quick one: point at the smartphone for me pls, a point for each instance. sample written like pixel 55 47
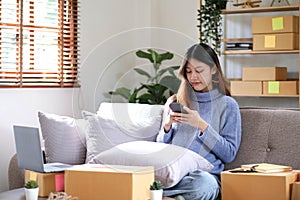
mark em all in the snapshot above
pixel 177 107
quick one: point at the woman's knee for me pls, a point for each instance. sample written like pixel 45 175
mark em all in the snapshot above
pixel 198 185
pixel 202 179
pixel 204 186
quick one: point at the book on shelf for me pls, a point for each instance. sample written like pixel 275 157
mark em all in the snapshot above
pixel 238 46
pixel 267 167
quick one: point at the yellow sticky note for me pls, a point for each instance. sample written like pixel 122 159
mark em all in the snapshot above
pixel 277 23
pixel 270 41
pixel 32 175
pixel 273 87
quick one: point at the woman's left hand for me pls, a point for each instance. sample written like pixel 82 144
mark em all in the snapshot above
pixel 192 118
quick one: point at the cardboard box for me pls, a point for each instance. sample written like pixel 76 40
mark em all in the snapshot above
pixel 48 182
pixel 258 186
pixel 280 87
pixel 246 88
pixel 296 191
pixel 275 42
pixel 298 172
pixel 275 24
pixel 264 74
pixel 94 181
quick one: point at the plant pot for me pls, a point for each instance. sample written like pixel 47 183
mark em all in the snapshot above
pixel 32 193
pixel 156 194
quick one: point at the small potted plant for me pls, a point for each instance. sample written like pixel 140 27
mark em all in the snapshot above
pixel 156 189
pixel 31 190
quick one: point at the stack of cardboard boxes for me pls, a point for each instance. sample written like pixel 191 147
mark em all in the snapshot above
pixel 271 33
pixel 275 33
pixel 264 81
pixel 47 182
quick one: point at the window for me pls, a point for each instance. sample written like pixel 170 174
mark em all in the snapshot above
pixel 39 43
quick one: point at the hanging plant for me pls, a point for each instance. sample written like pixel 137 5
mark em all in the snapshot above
pixel 210 22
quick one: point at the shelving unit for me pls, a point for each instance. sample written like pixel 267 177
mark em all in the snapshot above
pixel 251 52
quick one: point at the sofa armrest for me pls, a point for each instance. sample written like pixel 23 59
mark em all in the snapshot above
pixel 15 174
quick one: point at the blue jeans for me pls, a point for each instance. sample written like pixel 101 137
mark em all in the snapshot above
pixel 197 185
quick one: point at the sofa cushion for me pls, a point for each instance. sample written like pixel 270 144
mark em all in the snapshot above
pixel 117 123
pixel 269 135
pixel 169 161
pixel 64 138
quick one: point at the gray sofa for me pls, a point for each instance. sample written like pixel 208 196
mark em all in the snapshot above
pixel 268 135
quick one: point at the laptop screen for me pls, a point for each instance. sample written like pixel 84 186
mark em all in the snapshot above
pixel 28 147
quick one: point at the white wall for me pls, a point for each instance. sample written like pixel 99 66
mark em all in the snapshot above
pixel 110 31
pixel 110 42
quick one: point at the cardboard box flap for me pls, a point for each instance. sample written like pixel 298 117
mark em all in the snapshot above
pixel 111 168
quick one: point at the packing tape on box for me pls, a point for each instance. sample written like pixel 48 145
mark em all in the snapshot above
pixel 296 191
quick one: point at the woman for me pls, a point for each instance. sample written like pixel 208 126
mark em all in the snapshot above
pixel 211 127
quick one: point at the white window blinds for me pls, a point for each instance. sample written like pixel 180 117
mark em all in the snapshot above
pixel 39 43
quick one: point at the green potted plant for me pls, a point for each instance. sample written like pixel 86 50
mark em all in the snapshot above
pixel 161 84
pixel 156 189
pixel 31 190
pixel 210 22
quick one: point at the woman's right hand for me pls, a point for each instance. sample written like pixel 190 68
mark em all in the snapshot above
pixel 169 119
pixel 173 117
pixel 168 123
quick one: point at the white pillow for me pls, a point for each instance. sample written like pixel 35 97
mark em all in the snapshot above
pixel 117 123
pixel 171 162
pixel 132 117
pixel 64 138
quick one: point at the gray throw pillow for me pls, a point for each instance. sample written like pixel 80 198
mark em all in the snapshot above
pixel 171 162
pixel 64 138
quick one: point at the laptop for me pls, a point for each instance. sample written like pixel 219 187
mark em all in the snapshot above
pixel 29 151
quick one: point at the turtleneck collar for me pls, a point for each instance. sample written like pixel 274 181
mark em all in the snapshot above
pixel 207 96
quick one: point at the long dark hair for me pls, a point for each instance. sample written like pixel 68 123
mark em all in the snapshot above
pixel 203 53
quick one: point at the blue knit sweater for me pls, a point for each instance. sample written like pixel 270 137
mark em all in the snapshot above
pixel 220 142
